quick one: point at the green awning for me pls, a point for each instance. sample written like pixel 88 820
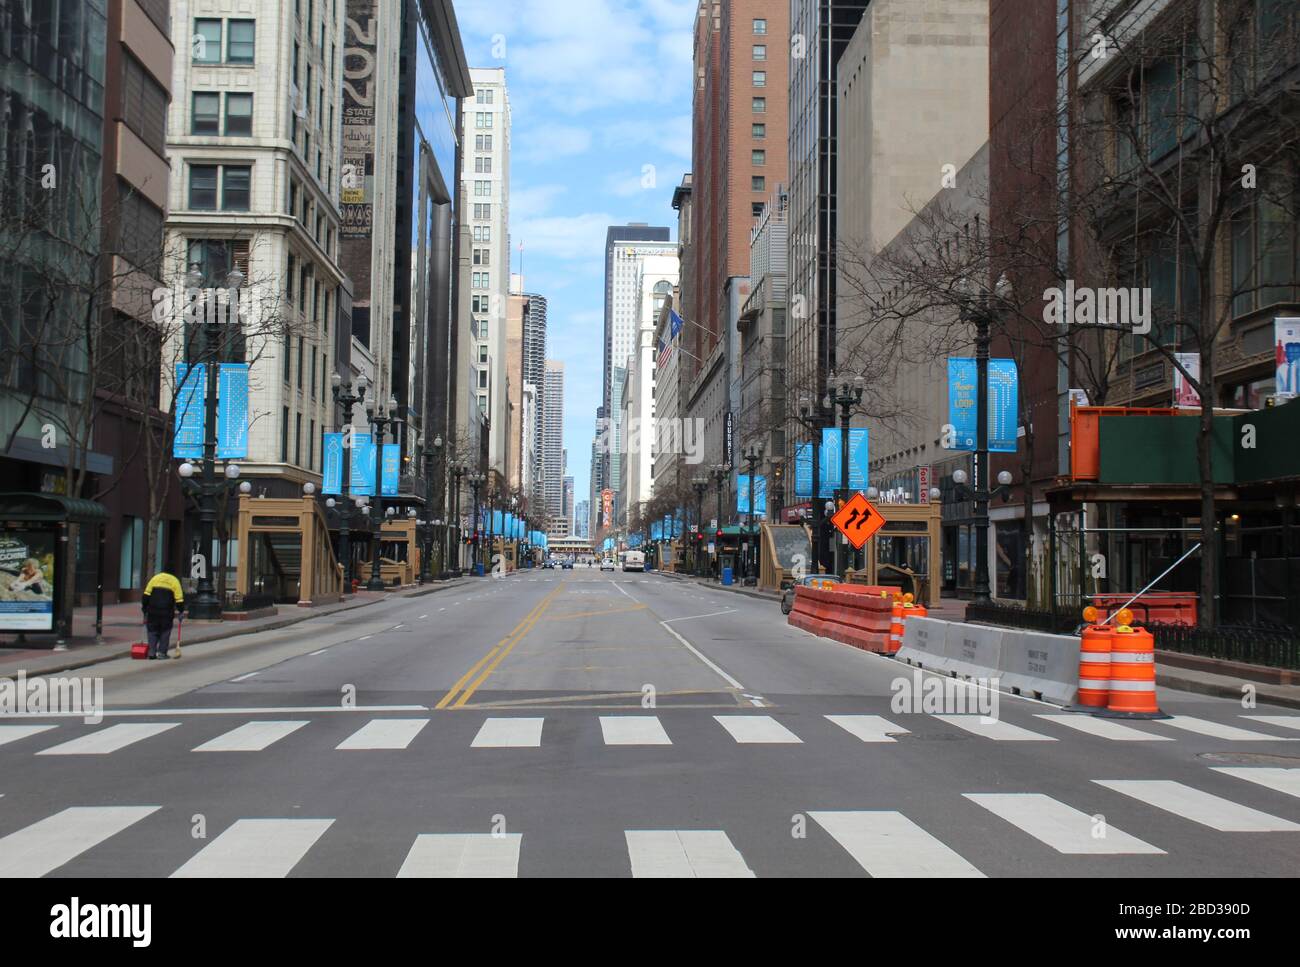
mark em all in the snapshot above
pixel 51 509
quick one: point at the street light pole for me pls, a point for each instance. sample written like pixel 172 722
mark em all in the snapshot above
pixel 846 396
pixel 719 475
pixel 700 485
pixel 753 457
pixel 346 401
pixel 475 482
pixel 458 470
pixel 380 421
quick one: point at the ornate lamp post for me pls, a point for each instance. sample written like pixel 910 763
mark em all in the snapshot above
pixel 476 481
pixel 720 474
pixel 380 421
pixel 427 526
pixel 700 485
pixel 753 456
pixel 816 415
pixel 846 395
pixel 346 400
pixel 458 470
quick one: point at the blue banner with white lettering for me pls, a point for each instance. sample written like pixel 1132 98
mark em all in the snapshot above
pixel 392 469
pixel 332 469
pixel 232 411
pixel 760 494
pixel 859 460
pixel 803 461
pixel 363 466
pixel 191 391
pixel 1003 391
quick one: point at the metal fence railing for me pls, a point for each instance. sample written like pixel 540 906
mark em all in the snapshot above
pixel 1273 645
pixel 1059 622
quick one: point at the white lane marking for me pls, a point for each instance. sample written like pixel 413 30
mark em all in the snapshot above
pixel 888 844
pixel 1216 730
pixel 422 617
pixel 274 710
pixel 624 590
pixel 868 728
pixel 509 733
pixel 110 739
pixel 250 737
pixel 684 853
pixel 757 730
pixel 692 617
pixel 633 730
pixel 1062 827
pixel 1104 728
pixel 256 848
pixel 12 733
pixel 698 654
pixel 463 855
pixel 1200 807
pixel 244 678
pixel 1280 779
pixel 315 653
pixel 756 703
pixel 395 627
pixel 994 729
pixel 365 637
pixel 46 845
pixel 442 609
pixel 384 734
pixel 1285 721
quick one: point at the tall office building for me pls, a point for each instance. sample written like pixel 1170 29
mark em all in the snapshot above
pixel 553 448
pixel 534 375
pixel 567 498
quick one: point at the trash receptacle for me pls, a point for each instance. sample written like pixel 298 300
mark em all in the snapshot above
pixel 478 568
pixel 727 576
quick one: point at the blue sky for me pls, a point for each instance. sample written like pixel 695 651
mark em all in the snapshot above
pixel 599 89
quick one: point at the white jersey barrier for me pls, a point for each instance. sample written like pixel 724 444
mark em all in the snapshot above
pixel 1026 662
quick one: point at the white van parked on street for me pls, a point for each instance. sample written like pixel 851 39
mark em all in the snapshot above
pixel 633 561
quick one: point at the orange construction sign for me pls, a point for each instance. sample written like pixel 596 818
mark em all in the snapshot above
pixel 858 520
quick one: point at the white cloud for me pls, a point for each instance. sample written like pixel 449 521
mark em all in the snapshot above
pixel 533 201
pixel 570 237
pixel 672 134
pixel 549 142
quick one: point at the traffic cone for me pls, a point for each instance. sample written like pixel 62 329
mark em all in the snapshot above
pixel 1132 693
pixel 896 625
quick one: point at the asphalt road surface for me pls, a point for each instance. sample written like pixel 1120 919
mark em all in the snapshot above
pixel 574 723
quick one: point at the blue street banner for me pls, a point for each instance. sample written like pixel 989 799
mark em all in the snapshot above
pixel 363 466
pixel 1003 390
pixel 191 391
pixel 232 411
pixel 760 494
pixel 859 460
pixel 332 471
pixel 392 469
pixel 803 470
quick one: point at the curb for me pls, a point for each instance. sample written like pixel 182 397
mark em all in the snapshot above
pixel 760 595
pixel 1219 690
pixel 236 631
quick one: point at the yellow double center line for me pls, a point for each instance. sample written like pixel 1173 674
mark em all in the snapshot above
pixel 494 657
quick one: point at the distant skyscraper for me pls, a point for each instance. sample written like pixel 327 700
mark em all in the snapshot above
pixel 534 369
pixel 553 447
pixel 582 519
pixel 568 501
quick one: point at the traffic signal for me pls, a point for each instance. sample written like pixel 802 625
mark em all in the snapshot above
pixel 719 534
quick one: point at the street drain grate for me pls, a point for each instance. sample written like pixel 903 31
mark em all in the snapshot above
pixel 1251 758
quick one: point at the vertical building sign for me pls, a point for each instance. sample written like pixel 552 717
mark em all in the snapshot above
pixel 191 392
pixel 232 411
pixel 1003 404
pixel 392 464
pixel 358 171
pixel 332 473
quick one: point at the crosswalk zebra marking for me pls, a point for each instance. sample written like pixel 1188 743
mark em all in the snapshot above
pixel 868 728
pixel 109 740
pixel 1280 779
pixel 463 855
pixel 12 733
pixel 1198 806
pixel 1217 730
pixel 1062 827
pixel 757 730
pixel 250 737
pixel 384 734
pixel 509 733
pixel 1104 728
pixel 684 854
pixel 48 844
pixel 886 843
pixel 256 849
pixel 994 729
pixel 633 730
pixel 1284 721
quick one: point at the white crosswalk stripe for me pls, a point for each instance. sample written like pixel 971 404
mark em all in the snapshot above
pixel 888 844
pixel 12 733
pixel 1217 730
pixel 111 739
pixel 633 730
pixel 1198 806
pixel 757 730
pixel 684 853
pixel 384 734
pixel 256 849
pixel 1283 721
pixel 250 737
pixel 1282 779
pixel 994 728
pixel 868 728
pixel 463 855
pixel 509 733
pixel 1062 827
pixel 1104 728
pixel 46 845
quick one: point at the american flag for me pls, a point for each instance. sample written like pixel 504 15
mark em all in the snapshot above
pixel 665 350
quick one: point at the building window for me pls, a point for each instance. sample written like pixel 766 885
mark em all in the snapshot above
pixel 759 157
pixel 484 96
pixel 758 183
pixel 760 52
pixel 203 187
pixel 760 78
pixel 236 187
pixel 284 435
pixel 205 116
pixel 207 41
pixel 760 130
pixel 239 115
pixel 760 105
pixel 482 404
pixel 482 354
pixel 760 26
pixel 144 105
pixel 482 376
pixel 241 41
pixel 756 209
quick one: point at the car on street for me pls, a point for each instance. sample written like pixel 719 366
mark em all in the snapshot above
pixel 607 564
pixel 567 565
pixel 808 580
pixel 634 561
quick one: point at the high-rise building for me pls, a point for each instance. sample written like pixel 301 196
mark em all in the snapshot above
pixel 567 509
pixel 514 373
pixel 553 448
pixel 599 470
pixel 742 53
pixel 582 519
pixel 534 375
pixel 485 181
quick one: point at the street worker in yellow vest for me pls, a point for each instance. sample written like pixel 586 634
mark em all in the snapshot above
pixel 163 600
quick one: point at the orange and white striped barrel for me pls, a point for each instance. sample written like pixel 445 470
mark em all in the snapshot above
pixel 896 627
pixel 1133 672
pixel 1094 666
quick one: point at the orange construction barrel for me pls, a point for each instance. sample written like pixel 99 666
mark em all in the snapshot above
pixel 896 627
pixel 1094 666
pixel 1133 674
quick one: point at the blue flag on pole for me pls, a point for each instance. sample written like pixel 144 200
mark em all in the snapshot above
pixel 232 411
pixel 191 392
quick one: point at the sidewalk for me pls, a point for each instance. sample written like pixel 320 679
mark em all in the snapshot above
pixel 123 627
